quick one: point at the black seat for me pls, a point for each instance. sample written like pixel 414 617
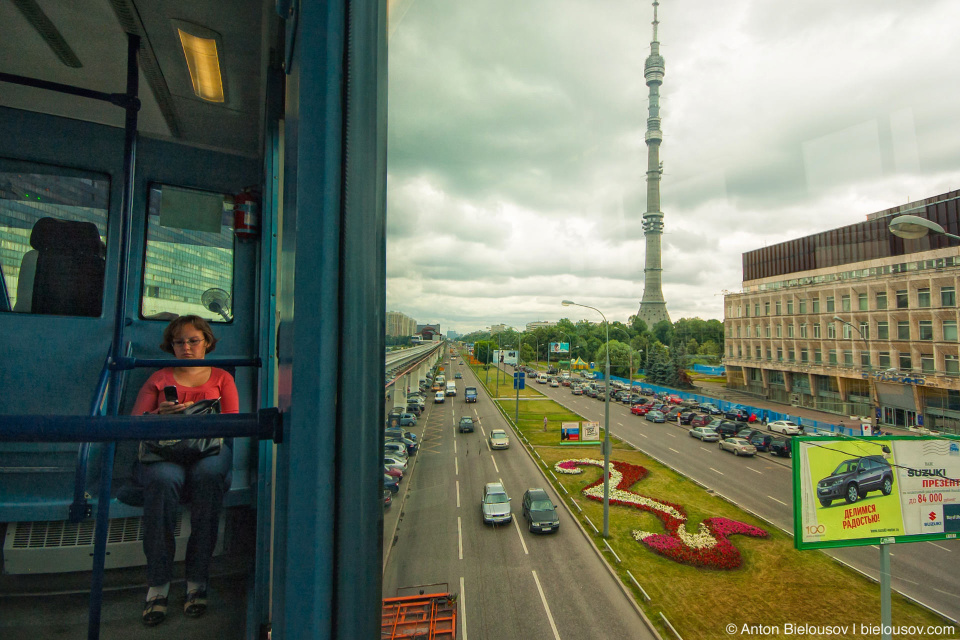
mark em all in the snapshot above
pixel 70 268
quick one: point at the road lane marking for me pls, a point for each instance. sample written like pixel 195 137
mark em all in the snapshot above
pixel 524 544
pixel 780 501
pixel 672 449
pixel 456 467
pixel 939 547
pixel 458 494
pixel 644 435
pixel 546 608
pixel 941 590
pixel 463 611
pixel 482 431
pixel 454 445
pixel 494 461
pixel 720 472
pixel 671 435
pixel 705 449
pixel 488 446
pixel 619 424
pixel 460 537
pixel 754 470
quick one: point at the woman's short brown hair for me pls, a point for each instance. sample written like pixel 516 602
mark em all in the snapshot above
pixel 176 326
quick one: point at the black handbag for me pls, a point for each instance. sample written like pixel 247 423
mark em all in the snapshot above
pixel 186 450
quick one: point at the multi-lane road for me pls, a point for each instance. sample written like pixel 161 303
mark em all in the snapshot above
pixel 924 571
pixel 511 583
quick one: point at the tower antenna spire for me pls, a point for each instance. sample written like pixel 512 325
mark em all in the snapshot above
pixel 653 308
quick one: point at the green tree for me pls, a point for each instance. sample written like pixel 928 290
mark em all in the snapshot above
pixel 619 357
pixel 663 331
pixel 483 350
pixel 526 353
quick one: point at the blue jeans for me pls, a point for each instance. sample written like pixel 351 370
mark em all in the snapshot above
pixel 165 486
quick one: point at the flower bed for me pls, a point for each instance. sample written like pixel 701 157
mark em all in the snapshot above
pixel 709 547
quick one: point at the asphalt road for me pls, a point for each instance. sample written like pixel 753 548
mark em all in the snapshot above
pixel 511 583
pixel 924 571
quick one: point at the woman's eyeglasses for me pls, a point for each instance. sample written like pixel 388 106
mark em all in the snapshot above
pixel 192 342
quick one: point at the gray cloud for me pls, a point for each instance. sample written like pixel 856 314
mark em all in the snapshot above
pixel 517 166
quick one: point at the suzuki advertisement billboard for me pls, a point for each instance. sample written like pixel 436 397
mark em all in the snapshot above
pixel 865 491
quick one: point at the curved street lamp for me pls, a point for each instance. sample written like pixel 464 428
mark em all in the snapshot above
pixel 606 420
pixel 915 227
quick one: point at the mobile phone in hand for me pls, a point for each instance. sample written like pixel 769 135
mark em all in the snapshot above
pixel 170 394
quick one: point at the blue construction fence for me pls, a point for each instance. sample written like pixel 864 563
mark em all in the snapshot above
pixel 708 370
pixel 808 424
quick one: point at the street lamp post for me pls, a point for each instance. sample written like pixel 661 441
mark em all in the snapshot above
pixel 606 420
pixel 868 368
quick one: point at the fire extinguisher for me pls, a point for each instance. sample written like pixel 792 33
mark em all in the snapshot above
pixel 246 215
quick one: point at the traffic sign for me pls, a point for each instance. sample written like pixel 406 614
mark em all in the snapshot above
pixel 518 380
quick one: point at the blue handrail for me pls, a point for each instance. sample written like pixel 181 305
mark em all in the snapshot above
pixel 80 509
pixel 124 363
pixel 265 424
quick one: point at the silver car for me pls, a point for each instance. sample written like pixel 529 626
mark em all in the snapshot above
pixel 706 434
pixel 495 505
pixel 499 439
pixel 738 446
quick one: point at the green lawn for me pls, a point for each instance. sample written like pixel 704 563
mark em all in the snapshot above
pixel 775 585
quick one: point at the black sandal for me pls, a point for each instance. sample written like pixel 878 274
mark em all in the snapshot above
pixel 155 611
pixel 195 604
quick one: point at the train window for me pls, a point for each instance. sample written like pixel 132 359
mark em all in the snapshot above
pixel 188 263
pixel 53 224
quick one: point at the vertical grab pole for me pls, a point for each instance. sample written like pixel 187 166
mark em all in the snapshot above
pixel 886 617
pixel 132 106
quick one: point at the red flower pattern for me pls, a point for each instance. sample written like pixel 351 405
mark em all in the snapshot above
pixel 710 548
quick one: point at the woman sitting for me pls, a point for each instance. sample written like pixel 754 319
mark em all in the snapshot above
pixel 165 483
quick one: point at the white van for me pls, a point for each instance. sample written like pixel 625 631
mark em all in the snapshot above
pixel 451 388
pixel 542 378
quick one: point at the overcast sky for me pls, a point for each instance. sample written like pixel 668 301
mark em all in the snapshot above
pixel 516 172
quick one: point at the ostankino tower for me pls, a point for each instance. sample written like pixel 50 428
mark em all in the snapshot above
pixel 653 308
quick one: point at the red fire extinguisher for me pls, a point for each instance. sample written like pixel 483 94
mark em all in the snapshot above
pixel 246 215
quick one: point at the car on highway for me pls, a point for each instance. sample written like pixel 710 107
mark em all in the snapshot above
pixel 575 390
pixel 706 434
pixel 391 484
pixel 854 478
pixel 746 433
pixel 784 426
pixel 740 415
pixel 438 398
pixel 761 441
pixel 495 504
pixel 590 392
pixel 655 416
pixel 687 416
pixel 396 449
pixel 408 420
pixel 701 420
pixel 711 408
pixel 540 512
pixel 640 409
pixel 458 375
pixel 738 446
pixel 781 447
pixel 395 462
pixel 725 428
pixel 554 382
pixel 466 425
pixel 499 439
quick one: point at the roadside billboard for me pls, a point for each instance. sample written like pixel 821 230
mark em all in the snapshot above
pixel 864 491
pixel 559 347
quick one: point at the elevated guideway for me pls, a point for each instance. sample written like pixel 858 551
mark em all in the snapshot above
pixel 404 368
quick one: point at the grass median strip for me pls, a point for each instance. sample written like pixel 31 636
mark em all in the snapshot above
pixel 776 585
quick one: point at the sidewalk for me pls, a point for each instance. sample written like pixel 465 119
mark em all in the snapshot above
pixel 718 390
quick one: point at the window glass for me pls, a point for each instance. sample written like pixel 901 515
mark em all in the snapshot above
pixel 951 364
pixel 816 305
pixel 948 297
pixel 884 359
pixel 864 358
pixel 905 362
pixel 817 356
pixel 845 303
pixel 789 307
pixel 779 307
pixel 830 306
pixel 833 356
pixel 188 267
pixel 53 229
pixel 903 300
pixel 803 306
pixel 779 354
pixel 950 330
pixel 847 331
pixel 804 355
pixel 926 330
pixel 903 330
pixel 803 330
pixel 862 301
pixel 926 363
pixel 766 308
pixel 779 331
pixel 848 358
pixel 923 297
pixel 831 330
pixel 881 300
pixel 883 331
pixel 865 330
pixel 758 353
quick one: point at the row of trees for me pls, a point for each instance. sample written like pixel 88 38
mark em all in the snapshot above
pixel 662 351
